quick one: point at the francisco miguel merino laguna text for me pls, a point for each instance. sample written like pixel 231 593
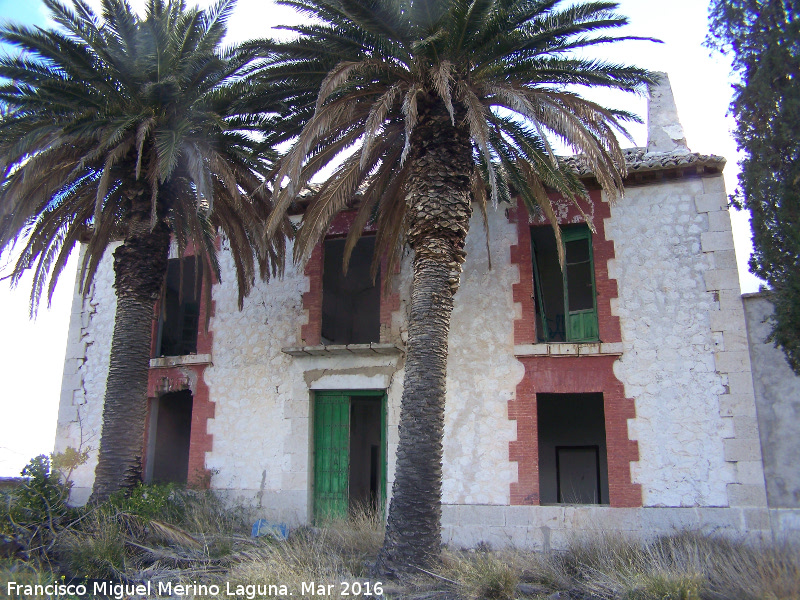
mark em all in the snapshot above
pixel 119 591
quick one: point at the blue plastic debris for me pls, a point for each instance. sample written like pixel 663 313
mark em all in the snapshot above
pixel 262 527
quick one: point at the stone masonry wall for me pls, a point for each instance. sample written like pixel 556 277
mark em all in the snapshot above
pixel 482 373
pixel 685 359
pixel 83 386
pixel 777 392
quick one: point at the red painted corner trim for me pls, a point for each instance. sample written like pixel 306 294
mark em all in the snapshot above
pixel 569 375
pixel 161 380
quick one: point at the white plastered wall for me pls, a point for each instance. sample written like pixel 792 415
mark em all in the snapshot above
pixel 262 396
pixel 685 355
pixel 482 371
pixel 83 385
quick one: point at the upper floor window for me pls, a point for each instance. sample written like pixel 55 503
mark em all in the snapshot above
pixel 350 303
pixel 180 309
pixel 566 301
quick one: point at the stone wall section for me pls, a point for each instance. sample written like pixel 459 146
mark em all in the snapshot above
pixel 777 393
pixel 83 386
pixel 260 425
pixel 685 360
pixel 555 527
pixel 482 372
pixel 732 359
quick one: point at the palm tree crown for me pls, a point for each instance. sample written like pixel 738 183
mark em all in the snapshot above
pixel 134 129
pixel 368 73
pixel 441 102
pixel 111 116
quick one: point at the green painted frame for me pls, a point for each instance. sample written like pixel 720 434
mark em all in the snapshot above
pixel 330 431
pixel 580 325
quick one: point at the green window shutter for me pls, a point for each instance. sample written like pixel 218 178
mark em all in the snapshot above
pixel 331 456
pixel 580 297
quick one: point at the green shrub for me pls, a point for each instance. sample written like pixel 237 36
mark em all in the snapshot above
pixel 32 514
pixel 165 502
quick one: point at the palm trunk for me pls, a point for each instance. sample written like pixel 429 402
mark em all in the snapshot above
pixel 438 212
pixel 139 268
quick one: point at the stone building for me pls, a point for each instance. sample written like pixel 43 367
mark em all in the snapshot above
pixel 617 395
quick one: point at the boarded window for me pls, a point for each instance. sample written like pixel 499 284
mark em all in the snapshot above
pixel 180 309
pixel 573 468
pixel 566 307
pixel 350 303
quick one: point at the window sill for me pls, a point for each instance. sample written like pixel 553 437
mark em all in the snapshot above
pixel 177 361
pixel 342 350
pixel 577 504
pixel 585 349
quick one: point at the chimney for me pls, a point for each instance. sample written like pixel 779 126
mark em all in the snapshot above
pixel 664 129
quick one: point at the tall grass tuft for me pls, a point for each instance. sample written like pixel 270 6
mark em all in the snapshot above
pixel 684 566
pixel 97 550
pixel 482 574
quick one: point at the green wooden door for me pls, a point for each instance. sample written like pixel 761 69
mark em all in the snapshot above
pixel 580 299
pixel 331 455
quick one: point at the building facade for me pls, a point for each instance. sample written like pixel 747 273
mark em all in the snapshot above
pixel 614 395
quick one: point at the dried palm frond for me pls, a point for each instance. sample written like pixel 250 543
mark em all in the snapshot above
pixel 363 71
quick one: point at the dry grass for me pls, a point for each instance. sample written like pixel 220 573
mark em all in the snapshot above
pixel 341 551
pixel 485 574
pixel 202 541
pixel 684 566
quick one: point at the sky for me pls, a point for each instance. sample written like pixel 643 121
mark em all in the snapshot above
pixel 32 352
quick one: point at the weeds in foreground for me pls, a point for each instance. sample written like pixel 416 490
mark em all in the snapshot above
pixel 485 574
pixel 168 534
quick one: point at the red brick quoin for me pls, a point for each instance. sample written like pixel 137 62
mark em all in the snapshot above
pixel 162 380
pixel 311 332
pixel 570 374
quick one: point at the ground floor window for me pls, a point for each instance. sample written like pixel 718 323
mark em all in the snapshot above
pixel 349 450
pixel 573 467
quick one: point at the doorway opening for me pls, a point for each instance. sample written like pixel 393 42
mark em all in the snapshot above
pixel 169 436
pixel 573 467
pixel 349 453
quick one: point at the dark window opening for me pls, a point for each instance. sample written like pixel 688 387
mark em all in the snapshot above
pixel 350 303
pixel 573 466
pixel 566 307
pixel 169 435
pixel 180 309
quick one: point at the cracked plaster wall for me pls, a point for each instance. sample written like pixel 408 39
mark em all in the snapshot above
pixel 86 363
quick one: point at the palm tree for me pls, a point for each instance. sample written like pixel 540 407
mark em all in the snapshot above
pixel 444 102
pixel 136 130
